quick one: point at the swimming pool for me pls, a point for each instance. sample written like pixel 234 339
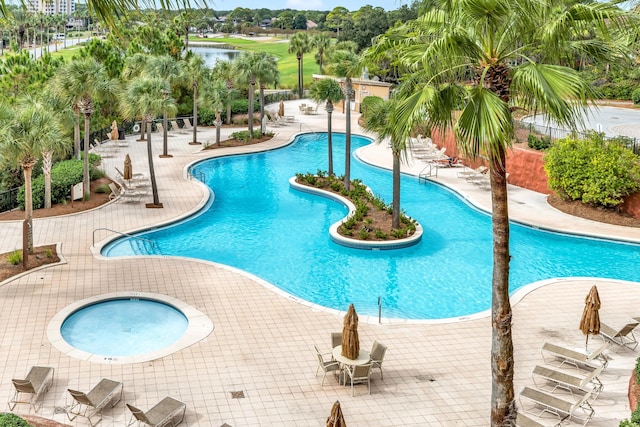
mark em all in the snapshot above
pixel 259 224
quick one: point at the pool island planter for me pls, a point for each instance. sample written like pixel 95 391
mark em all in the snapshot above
pixel 336 237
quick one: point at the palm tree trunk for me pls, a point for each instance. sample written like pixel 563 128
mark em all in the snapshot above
pixel 143 128
pixel 503 411
pixel 347 145
pixel 195 115
pixel 86 180
pixel 299 77
pixel 28 208
pixel 218 125
pixel 261 100
pixel 250 117
pixel 165 137
pixel 76 132
pixel 229 113
pixel 47 161
pixel 395 211
pixel 329 138
pixel 152 171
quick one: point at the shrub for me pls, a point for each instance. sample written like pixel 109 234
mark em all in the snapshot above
pixel 48 253
pixel 592 170
pixel 243 135
pixel 635 96
pixel 15 257
pixel 536 143
pixel 635 415
pixel 11 420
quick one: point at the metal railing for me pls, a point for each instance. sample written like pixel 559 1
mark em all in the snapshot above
pixel 197 174
pixel 93 243
pixel 9 199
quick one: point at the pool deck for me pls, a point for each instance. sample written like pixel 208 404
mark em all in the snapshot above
pixel 435 373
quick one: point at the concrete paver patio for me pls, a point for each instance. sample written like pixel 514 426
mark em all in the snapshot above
pixel 436 373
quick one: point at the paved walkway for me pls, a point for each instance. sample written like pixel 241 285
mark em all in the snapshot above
pixel 436 374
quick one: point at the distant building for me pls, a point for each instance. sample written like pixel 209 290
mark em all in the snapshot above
pixel 311 25
pixel 52 7
pixel 361 88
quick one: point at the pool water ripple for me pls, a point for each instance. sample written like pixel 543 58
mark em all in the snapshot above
pixel 259 224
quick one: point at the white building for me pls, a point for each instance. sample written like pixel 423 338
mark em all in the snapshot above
pixel 52 7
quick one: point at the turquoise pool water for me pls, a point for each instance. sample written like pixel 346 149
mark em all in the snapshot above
pixel 259 224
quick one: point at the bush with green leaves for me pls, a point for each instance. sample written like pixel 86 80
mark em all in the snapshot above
pixel 635 415
pixel 243 135
pixel 541 143
pixel 635 96
pixel 64 175
pixel 11 420
pixel 592 170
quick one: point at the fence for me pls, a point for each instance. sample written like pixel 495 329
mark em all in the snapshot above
pixel 9 199
pixel 556 133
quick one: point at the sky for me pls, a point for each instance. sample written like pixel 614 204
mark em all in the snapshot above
pixel 351 5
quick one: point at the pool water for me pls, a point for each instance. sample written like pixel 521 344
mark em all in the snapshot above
pixel 259 224
pixel 124 327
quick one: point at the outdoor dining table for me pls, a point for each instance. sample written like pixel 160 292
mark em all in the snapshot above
pixel 363 358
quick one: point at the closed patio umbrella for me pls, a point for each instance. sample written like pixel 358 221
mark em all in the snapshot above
pixel 350 340
pixel 590 321
pixel 336 419
pixel 281 109
pixel 127 172
pixel 114 131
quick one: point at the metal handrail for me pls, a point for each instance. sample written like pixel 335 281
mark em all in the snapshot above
pixel 153 244
pixel 199 175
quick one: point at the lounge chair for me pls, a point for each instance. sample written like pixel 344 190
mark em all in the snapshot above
pixel 523 420
pixel 553 404
pixel 175 126
pixel 358 374
pixel 480 170
pixel 377 356
pixel 575 357
pixel 187 124
pixel 36 383
pixel 589 382
pixel 133 194
pixel 136 177
pixel 622 337
pixel 91 404
pixel 168 412
pixel 330 366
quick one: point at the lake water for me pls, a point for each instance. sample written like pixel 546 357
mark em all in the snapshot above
pixel 212 55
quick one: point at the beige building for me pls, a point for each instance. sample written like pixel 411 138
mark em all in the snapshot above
pixel 52 7
pixel 362 88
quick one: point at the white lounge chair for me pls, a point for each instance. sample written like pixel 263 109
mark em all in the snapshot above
pixel 587 360
pixel 91 404
pixel 578 407
pixel 36 383
pixel 167 412
pixel 588 382
pixel 524 420
pixel 622 337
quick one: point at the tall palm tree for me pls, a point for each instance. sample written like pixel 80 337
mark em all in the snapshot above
pixel 300 44
pixel 195 71
pixel 214 96
pixel 321 42
pixel 245 71
pixel 344 63
pixel 81 82
pixel 142 97
pixel 480 61
pixel 134 66
pixel 267 73
pixel 171 71
pixel 224 70
pixel 329 91
pixel 32 128
pixel 380 120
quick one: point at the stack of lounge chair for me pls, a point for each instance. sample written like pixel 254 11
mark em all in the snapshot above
pixel 564 388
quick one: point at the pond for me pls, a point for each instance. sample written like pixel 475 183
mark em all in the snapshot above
pixel 212 55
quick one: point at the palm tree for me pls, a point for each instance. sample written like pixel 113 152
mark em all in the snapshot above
pixel 224 70
pixel 344 63
pixel 167 68
pixel 32 128
pixel 327 90
pixel 266 70
pixel 380 120
pixel 81 82
pixel 195 71
pixel 142 97
pixel 321 42
pixel 134 66
pixel 214 96
pixel 480 64
pixel 300 44
pixel 245 71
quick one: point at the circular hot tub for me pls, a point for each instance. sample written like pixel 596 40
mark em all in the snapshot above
pixel 127 327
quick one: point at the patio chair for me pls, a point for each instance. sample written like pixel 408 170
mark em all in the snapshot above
pixel 336 339
pixel 622 337
pixel 358 374
pixel 330 366
pixel 91 404
pixel 36 383
pixel 523 420
pixel 575 357
pixel 377 356
pixel 589 382
pixel 115 191
pixel 168 412
pixel 554 404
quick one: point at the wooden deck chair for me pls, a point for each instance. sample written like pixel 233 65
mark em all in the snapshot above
pixel 168 412
pixel 622 337
pixel 36 383
pixel 578 408
pixel 562 355
pixel 589 382
pixel 92 404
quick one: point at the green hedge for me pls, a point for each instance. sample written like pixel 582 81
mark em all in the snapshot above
pixel 592 170
pixel 64 175
pixel 11 420
pixel 635 96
